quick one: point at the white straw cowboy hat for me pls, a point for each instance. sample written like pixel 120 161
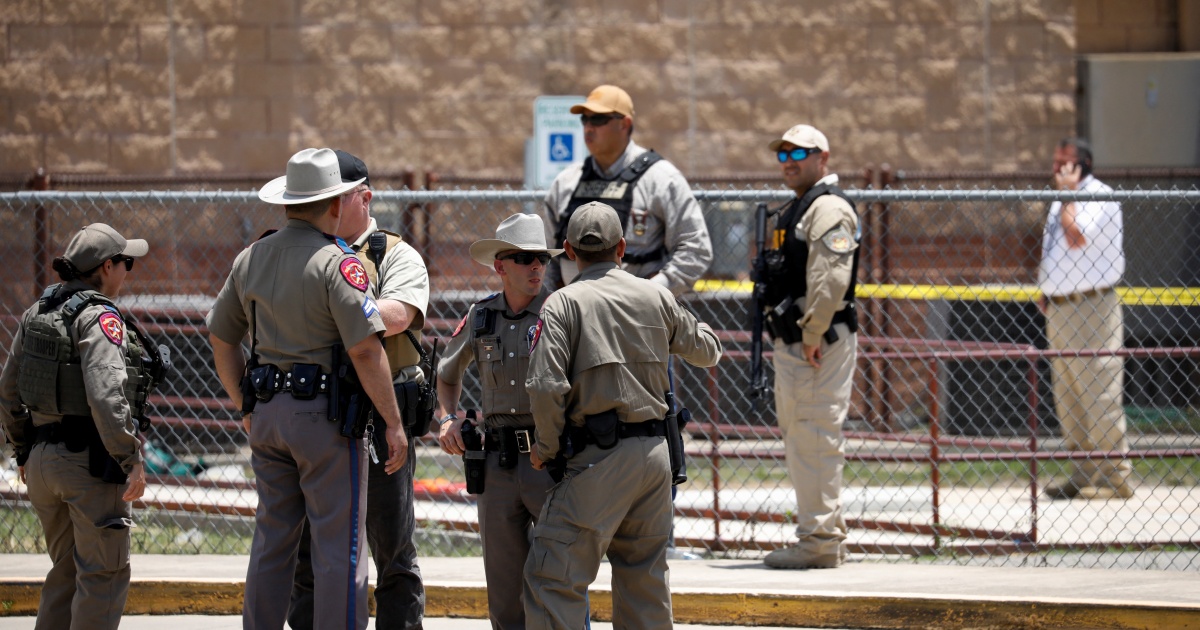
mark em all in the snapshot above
pixel 312 175
pixel 525 232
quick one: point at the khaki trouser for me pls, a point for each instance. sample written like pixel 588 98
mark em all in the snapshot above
pixel 811 406
pixel 87 534
pixel 1088 390
pixel 303 467
pixel 614 503
pixel 511 502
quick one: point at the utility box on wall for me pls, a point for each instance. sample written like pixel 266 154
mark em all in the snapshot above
pixel 1141 109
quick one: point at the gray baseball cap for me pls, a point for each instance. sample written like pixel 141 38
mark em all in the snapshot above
pixel 98 242
pixel 594 227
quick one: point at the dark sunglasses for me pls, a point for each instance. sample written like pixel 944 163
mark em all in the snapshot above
pixel 797 154
pixel 598 120
pixel 527 258
pixel 118 259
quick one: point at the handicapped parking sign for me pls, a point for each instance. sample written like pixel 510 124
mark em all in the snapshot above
pixel 557 140
pixel 562 147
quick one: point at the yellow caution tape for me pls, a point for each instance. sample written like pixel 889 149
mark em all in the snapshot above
pixel 1133 296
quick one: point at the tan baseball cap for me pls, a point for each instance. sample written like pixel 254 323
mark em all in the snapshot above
pixel 594 227
pixel 805 136
pixel 606 99
pixel 98 242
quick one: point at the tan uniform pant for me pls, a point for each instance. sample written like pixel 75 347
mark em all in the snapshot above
pixel 511 502
pixel 1088 390
pixel 302 466
pixel 87 534
pixel 614 503
pixel 811 406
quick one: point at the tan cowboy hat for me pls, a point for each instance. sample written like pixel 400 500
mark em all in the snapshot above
pixel 525 232
pixel 312 175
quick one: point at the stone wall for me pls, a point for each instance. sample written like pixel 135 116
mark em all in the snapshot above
pixel 188 86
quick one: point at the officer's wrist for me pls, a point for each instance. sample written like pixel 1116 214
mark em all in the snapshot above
pixel 447 418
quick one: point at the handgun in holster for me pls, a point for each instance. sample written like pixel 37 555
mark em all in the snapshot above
pixel 474 456
pixel 26 418
pixel 674 424
pixel 570 443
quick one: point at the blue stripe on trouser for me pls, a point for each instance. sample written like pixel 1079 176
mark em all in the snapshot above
pixel 351 582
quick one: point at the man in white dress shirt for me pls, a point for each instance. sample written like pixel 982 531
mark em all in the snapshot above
pixel 1082 261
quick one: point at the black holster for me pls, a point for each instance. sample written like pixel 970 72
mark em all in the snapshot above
pixel 475 457
pixel 408 398
pixel 572 441
pixel 78 433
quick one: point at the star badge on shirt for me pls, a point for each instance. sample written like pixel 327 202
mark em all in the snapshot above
pixel 354 273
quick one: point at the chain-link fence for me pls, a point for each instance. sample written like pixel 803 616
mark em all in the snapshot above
pixel 952 433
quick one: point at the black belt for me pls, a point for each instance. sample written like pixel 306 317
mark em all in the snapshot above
pixel 641 259
pixel 1077 297
pixel 648 428
pixel 494 437
pixel 283 381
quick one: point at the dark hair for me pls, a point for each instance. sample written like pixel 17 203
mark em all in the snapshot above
pixel 604 255
pixel 67 271
pixel 311 210
pixel 1083 153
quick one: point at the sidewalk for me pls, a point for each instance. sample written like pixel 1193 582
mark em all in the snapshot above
pixel 740 592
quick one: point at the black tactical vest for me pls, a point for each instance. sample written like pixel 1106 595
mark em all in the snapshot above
pixel 617 192
pixel 787 273
pixel 50 377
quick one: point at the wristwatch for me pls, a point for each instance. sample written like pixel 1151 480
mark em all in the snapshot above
pixel 447 418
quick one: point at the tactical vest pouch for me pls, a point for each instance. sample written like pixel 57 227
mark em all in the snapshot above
pixel 782 322
pixel 305 377
pixel 603 427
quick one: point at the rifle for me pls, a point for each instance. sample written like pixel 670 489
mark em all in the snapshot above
pixel 758 307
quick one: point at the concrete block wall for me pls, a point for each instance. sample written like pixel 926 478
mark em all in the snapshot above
pixel 191 86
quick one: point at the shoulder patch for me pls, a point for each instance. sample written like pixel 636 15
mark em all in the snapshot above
pixel 462 323
pixel 112 327
pixel 535 334
pixel 838 240
pixel 492 296
pixel 354 273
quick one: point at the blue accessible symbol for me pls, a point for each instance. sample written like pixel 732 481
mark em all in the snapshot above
pixel 562 147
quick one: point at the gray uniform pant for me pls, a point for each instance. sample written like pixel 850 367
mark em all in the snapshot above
pixel 304 468
pixel 811 406
pixel 399 593
pixel 1088 390
pixel 614 503
pixel 509 506
pixel 87 534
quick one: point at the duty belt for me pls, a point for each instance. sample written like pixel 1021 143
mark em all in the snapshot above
pixel 494 437
pixel 283 381
pixel 1078 297
pixel 648 428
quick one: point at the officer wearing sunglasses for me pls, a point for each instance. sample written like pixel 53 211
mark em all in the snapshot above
pixel 496 335
pixel 667 239
pixel 810 304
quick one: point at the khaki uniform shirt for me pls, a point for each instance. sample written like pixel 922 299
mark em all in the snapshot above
pixel 403 278
pixel 501 356
pixel 308 295
pixel 603 344
pixel 830 222
pixel 102 347
pixel 664 211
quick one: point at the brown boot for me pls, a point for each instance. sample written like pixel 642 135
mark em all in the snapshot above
pixel 797 558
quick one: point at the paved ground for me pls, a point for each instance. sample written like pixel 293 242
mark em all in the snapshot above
pixel 731 592
pixel 231 622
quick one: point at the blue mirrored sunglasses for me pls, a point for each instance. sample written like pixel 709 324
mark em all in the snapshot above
pixel 797 154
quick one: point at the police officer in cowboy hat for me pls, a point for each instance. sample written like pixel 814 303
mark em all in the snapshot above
pixel 73 419
pixel 299 293
pixel 400 287
pixel 495 334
